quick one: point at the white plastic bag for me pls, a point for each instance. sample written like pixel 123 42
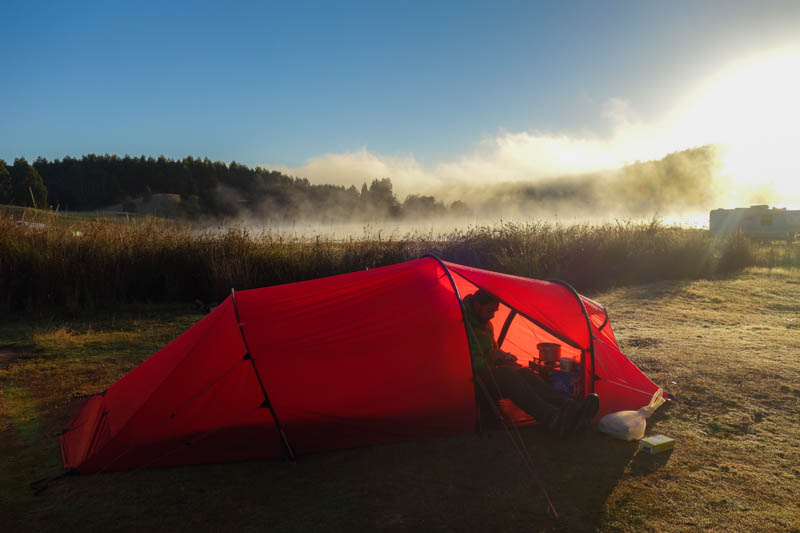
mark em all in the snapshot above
pixel 630 425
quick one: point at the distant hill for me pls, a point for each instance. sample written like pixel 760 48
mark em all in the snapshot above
pixel 684 180
pixel 201 188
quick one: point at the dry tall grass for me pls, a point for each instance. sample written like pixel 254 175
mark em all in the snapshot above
pixel 48 259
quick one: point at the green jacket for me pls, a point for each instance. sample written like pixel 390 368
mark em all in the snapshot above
pixel 481 337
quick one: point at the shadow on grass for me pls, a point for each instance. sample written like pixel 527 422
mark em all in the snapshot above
pixel 581 473
pixel 468 483
pixel 643 463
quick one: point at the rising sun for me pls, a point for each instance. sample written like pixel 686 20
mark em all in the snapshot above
pixel 752 110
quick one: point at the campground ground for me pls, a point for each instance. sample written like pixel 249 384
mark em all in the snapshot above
pixel 728 349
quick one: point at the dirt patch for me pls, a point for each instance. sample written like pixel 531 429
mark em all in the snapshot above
pixel 792 308
pixel 642 342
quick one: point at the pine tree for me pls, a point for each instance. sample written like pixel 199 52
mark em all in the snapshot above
pixel 5 184
pixel 27 187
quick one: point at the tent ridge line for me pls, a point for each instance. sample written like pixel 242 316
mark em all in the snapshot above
pixel 267 402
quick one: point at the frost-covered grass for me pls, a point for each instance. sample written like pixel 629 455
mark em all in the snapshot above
pixel 726 348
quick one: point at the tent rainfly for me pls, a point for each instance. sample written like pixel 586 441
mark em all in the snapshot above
pixel 351 360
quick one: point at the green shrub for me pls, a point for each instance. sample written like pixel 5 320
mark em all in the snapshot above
pixel 737 253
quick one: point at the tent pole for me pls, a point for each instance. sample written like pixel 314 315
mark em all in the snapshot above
pixel 605 322
pixel 506 325
pixel 284 441
pixel 577 296
pixel 466 329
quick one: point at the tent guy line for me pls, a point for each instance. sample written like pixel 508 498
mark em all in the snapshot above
pixel 516 438
pixel 513 431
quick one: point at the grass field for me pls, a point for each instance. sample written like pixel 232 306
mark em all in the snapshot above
pixel 54 260
pixel 727 348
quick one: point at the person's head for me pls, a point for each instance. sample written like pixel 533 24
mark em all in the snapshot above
pixel 485 305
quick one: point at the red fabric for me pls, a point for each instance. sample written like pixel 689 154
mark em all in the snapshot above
pixel 621 385
pixel 550 304
pixel 523 337
pixel 169 408
pixel 599 319
pixel 363 358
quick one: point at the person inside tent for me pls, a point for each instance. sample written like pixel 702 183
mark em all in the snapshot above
pixel 499 370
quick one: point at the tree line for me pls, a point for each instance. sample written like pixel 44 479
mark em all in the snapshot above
pixel 22 185
pixel 685 180
pixel 206 188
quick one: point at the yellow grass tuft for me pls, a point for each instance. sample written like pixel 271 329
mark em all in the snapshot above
pixel 20 409
pixel 64 340
pixel 59 338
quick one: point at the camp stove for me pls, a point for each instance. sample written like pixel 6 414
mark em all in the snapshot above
pixel 568 382
pixel 548 360
pixel 543 368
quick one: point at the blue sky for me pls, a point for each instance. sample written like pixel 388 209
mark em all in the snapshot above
pixel 423 86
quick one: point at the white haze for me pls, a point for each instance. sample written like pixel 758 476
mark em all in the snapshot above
pixel 749 110
pixel 500 158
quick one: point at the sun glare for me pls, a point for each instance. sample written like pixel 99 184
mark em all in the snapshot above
pixel 753 111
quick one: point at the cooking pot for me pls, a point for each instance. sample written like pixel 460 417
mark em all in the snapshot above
pixel 549 352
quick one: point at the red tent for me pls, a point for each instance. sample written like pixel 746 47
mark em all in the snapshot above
pixel 351 360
